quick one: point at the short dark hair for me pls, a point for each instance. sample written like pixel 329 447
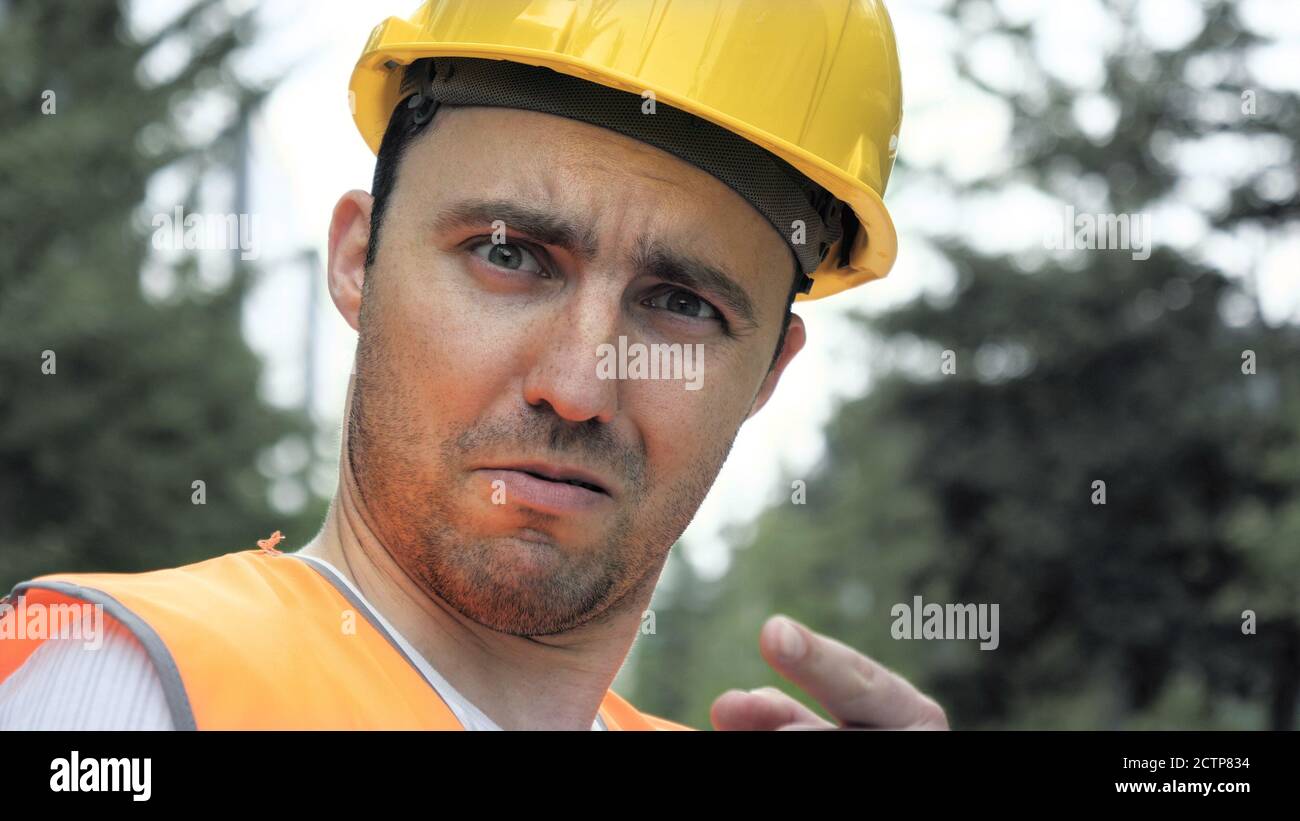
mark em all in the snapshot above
pixel 402 131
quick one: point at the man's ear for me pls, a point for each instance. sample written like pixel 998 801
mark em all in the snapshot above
pixel 795 337
pixel 349 237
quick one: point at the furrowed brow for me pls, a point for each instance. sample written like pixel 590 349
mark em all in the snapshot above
pixel 539 224
pixel 653 259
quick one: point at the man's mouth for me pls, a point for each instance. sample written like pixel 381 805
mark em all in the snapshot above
pixel 549 487
pixel 577 482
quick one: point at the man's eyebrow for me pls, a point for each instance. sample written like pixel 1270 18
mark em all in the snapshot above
pixel 654 259
pixel 650 258
pixel 538 223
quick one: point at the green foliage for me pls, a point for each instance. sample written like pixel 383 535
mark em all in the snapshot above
pixel 97 459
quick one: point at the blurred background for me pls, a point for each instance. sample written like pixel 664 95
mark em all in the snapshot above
pixel 160 404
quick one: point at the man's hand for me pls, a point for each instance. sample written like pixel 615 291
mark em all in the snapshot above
pixel 856 691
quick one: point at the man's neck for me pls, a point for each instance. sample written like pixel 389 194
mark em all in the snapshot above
pixel 552 682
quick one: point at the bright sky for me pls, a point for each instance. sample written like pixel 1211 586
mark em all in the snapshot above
pixel 306 152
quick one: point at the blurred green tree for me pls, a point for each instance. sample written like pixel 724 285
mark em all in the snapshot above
pixel 1071 369
pixel 149 394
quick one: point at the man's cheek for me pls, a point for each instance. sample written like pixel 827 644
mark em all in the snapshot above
pixel 686 430
pixel 441 344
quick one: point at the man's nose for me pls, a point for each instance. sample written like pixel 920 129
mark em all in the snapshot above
pixel 563 372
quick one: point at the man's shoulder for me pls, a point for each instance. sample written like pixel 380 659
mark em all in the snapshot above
pixel 238 561
pixel 625 716
pixel 664 724
pixel 101 682
pixel 226 585
pixel 223 608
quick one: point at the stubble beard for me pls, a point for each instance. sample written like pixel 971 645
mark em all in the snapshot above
pixel 526 585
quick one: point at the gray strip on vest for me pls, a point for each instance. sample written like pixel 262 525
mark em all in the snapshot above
pixel 364 610
pixel 325 571
pixel 177 699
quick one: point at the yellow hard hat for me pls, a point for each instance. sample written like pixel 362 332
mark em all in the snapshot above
pixel 814 82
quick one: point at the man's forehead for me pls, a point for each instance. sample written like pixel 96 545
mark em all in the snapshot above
pixel 554 179
pixel 543 155
pixel 490 130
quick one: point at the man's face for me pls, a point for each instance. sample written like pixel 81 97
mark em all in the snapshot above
pixel 477 365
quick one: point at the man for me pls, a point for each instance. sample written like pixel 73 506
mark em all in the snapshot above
pixel 505 504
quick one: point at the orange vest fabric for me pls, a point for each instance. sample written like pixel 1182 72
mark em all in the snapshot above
pixel 257 641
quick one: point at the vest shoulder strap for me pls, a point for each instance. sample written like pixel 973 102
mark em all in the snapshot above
pixel 251 640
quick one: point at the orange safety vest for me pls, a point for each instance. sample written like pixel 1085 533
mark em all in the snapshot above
pixel 252 640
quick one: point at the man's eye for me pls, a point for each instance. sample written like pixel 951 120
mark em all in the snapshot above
pixel 509 255
pixel 684 303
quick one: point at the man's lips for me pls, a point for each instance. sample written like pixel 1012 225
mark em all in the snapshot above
pixel 565 474
pixel 544 494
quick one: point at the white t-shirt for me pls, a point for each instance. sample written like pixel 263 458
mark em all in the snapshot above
pixel 63 686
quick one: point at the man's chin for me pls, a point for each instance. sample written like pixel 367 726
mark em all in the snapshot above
pixel 525 583
pixel 529 554
pixel 522 526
